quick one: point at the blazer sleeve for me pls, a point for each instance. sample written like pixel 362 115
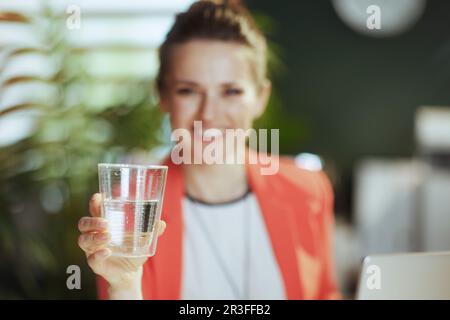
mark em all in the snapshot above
pixel 329 286
pixel 102 288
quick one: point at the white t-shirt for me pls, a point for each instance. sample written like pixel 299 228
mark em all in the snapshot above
pixel 227 253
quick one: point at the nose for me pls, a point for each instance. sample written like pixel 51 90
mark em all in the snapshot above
pixel 209 108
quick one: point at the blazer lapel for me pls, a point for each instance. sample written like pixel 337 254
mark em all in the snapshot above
pixel 276 212
pixel 164 269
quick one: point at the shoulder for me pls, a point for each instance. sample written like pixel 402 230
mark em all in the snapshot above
pixel 314 184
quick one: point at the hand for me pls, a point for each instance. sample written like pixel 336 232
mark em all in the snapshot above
pixel 120 272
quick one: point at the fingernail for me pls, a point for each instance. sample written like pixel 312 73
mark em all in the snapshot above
pixel 94 198
pixel 104 236
pixel 103 223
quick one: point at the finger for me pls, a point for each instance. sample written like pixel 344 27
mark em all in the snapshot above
pixel 97 259
pixel 94 205
pixel 90 241
pixel 161 227
pixel 88 224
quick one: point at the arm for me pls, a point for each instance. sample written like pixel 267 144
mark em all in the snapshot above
pixel 125 291
pixel 329 287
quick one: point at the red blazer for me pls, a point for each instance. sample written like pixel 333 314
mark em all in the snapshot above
pixel 297 206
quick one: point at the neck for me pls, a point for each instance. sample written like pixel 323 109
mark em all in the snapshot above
pixel 215 183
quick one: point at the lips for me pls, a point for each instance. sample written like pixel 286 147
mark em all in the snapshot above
pixel 212 133
pixel 208 133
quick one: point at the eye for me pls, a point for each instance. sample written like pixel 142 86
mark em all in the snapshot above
pixel 233 92
pixel 184 91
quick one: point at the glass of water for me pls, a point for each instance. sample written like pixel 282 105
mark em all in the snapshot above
pixel 132 198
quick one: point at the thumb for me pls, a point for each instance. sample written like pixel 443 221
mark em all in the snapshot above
pixel 96 260
pixel 160 227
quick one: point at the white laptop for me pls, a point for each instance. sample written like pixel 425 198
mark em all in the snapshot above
pixel 408 276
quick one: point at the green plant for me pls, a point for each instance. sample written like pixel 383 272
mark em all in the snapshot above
pixel 46 178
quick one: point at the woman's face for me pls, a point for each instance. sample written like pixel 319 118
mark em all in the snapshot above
pixel 212 82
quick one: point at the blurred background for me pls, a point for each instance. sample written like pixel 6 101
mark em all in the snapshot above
pixel 370 106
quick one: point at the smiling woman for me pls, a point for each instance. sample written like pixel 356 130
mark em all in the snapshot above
pixel 213 77
pixel 232 232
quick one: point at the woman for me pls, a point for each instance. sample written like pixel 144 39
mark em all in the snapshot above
pixel 232 233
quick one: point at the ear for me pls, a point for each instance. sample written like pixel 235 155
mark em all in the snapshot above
pixel 263 98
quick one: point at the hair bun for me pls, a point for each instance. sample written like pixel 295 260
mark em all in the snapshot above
pixel 237 3
pixel 234 5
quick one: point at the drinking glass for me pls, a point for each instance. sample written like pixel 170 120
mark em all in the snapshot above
pixel 132 198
